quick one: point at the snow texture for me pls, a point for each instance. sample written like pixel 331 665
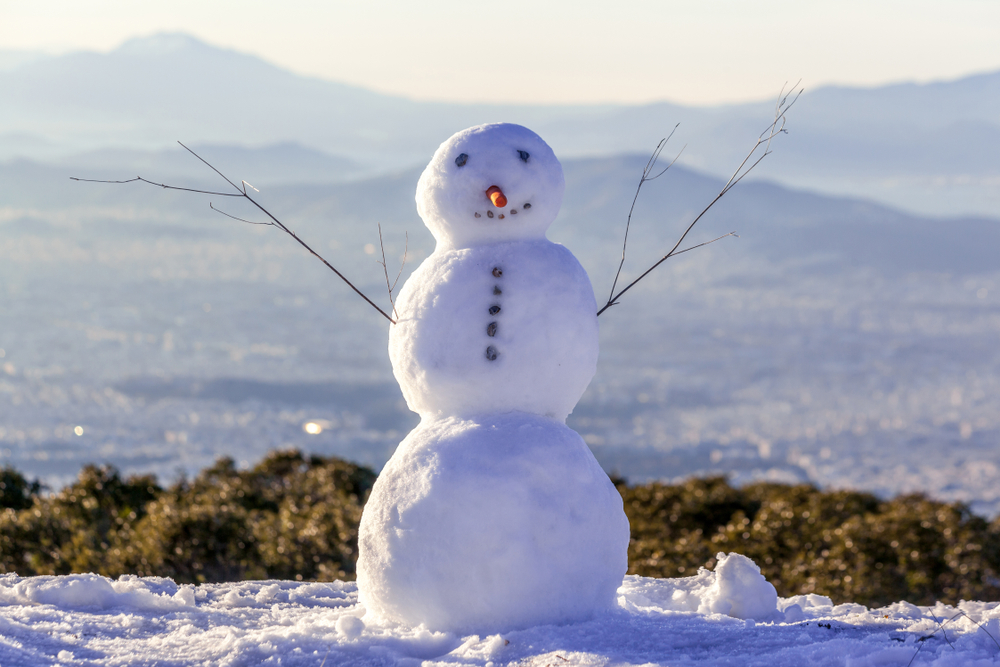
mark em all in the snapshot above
pixel 544 335
pixel 493 514
pixel 492 524
pixel 88 620
pixel 451 192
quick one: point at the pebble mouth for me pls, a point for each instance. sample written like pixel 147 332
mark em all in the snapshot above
pixel 513 211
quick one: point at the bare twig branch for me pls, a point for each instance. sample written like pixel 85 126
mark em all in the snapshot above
pixel 249 222
pixel 406 249
pixel 161 185
pixel 784 103
pixel 700 245
pixel 242 193
pixel 943 631
pixel 385 269
pixel 940 626
pixel 650 164
pixel 988 633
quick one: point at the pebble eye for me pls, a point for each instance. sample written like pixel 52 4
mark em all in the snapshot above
pixel 463 158
pixel 524 155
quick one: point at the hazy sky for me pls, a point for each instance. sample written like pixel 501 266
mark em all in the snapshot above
pixel 693 51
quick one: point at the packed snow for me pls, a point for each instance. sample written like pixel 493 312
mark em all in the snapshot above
pixel 542 336
pixel 505 521
pixel 729 617
pixel 493 513
pixel 498 318
pixel 450 193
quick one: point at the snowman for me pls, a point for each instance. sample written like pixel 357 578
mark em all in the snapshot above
pixel 492 514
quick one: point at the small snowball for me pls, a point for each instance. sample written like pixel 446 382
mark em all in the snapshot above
pixel 794 614
pixel 234 599
pixel 268 594
pixel 350 627
pixel 740 590
pixel 185 595
pixel 65 655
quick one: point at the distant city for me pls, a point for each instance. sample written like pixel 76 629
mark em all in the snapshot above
pixel 846 338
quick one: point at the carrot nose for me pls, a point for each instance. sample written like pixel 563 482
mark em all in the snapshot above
pixel 496 196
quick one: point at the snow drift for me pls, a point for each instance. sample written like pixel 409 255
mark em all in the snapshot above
pixel 91 620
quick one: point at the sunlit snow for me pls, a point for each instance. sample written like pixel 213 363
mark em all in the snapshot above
pixel 91 620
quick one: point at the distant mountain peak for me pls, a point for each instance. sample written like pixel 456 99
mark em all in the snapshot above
pixel 161 43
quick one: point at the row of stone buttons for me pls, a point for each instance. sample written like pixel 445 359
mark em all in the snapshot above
pixel 491 328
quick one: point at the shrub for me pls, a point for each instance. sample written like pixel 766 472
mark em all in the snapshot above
pixel 16 492
pixel 847 545
pixel 288 517
pixel 296 517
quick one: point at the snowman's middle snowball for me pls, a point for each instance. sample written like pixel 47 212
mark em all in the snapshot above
pixel 539 356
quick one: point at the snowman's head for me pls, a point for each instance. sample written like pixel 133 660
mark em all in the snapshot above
pixel 489 183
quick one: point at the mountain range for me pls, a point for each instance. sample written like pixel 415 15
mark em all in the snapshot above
pixel 928 148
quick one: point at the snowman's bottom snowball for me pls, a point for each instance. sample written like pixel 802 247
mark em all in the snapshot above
pixel 493 523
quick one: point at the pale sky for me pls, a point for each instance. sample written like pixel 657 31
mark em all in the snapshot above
pixel 532 51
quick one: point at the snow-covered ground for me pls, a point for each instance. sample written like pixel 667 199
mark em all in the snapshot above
pixel 91 620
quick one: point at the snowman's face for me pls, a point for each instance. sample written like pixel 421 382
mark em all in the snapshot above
pixel 490 183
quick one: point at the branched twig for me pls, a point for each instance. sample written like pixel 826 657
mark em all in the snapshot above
pixel 406 249
pixel 940 626
pixel 249 222
pixel 385 269
pixel 241 192
pixel 777 126
pixel 943 631
pixel 650 164
pixel 161 185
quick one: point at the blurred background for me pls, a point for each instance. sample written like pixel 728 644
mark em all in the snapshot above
pixel 847 338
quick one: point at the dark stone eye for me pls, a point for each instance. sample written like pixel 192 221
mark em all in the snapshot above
pixel 526 206
pixel 463 158
pixel 524 155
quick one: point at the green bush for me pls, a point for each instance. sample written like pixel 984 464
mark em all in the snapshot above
pixel 847 545
pixel 73 530
pixel 296 517
pixel 16 492
pixel 289 517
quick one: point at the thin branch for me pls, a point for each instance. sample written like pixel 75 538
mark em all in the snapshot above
pixel 940 626
pixel 988 633
pixel 681 252
pixel 385 270
pixel 406 249
pixel 249 222
pixel 650 163
pixel 776 127
pixel 242 192
pixel 943 631
pixel 161 185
